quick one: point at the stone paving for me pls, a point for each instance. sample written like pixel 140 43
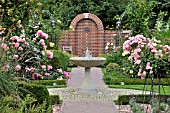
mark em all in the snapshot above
pixel 102 102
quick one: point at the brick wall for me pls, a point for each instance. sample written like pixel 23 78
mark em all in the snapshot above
pixel 88 32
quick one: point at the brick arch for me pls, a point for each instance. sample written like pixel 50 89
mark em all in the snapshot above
pixel 87 16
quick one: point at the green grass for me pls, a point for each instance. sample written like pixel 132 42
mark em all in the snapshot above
pixel 69 69
pixel 140 87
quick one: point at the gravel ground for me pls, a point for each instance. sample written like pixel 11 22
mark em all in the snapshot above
pixel 101 102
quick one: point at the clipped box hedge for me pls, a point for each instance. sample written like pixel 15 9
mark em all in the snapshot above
pixel 135 81
pixel 55 99
pixel 48 82
pixel 39 92
pixel 124 99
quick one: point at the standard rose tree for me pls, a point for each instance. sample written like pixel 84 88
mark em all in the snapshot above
pixel 149 56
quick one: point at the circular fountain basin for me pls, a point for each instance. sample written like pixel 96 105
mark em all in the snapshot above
pixel 88 62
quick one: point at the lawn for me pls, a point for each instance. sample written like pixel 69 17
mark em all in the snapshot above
pixel 141 87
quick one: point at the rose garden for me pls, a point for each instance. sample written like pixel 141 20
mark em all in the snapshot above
pixel 68 56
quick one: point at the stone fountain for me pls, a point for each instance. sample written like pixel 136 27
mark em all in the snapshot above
pixel 87 62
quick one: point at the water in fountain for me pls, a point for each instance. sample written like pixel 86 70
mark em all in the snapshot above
pixel 88 53
pixel 87 62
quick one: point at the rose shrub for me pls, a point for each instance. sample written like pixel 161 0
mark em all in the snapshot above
pixel 148 56
pixel 29 57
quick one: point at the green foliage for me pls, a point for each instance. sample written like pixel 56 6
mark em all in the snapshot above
pixel 39 92
pixel 115 57
pixel 168 101
pixel 136 108
pixel 140 16
pixel 124 99
pixel 7 86
pixel 135 81
pixel 68 9
pixel 55 99
pixel 111 66
pixel 48 82
pixel 60 60
pixel 162 29
pixel 12 105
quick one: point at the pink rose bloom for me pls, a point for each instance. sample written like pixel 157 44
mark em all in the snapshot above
pixel 5 67
pixel 50 67
pixel 43 67
pixel 39 62
pixel 37 74
pixel 151 72
pixel 20 48
pixel 159 52
pixel 43 53
pixel 26 43
pixel 39 33
pixel 144 73
pixel 150 46
pixel 45 47
pixel 60 71
pixel 16 45
pixel 43 44
pixel 32 69
pixel 44 35
pixel 23 40
pixel 35 49
pixel 27 69
pixel 14 38
pixel 19 40
pixel 138 62
pixel 67 74
pixel 41 41
pixel 34 39
pixel 154 50
pixel 13 44
pixel 15 56
pixel 148 65
pixel 50 54
pixel 18 67
pixel 5 47
pixel 137 50
pixel 166 48
pixel 139 74
pixel 47 74
pixel 140 70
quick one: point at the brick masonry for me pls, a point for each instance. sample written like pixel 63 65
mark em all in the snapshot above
pixel 88 32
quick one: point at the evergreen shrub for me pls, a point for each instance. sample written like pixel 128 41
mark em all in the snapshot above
pixel 124 99
pixel 48 82
pixel 55 99
pixel 134 81
pixel 111 66
pixel 39 92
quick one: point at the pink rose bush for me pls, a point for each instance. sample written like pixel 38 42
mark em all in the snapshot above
pixel 148 56
pixel 65 73
pixel 31 56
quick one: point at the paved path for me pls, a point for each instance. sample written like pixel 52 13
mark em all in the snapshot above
pixel 77 75
pixel 101 102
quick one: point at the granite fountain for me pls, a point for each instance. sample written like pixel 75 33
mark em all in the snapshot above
pixel 87 62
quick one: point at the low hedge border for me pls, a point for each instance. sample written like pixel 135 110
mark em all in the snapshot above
pixel 55 99
pixel 48 82
pixel 39 92
pixel 135 81
pixel 124 99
